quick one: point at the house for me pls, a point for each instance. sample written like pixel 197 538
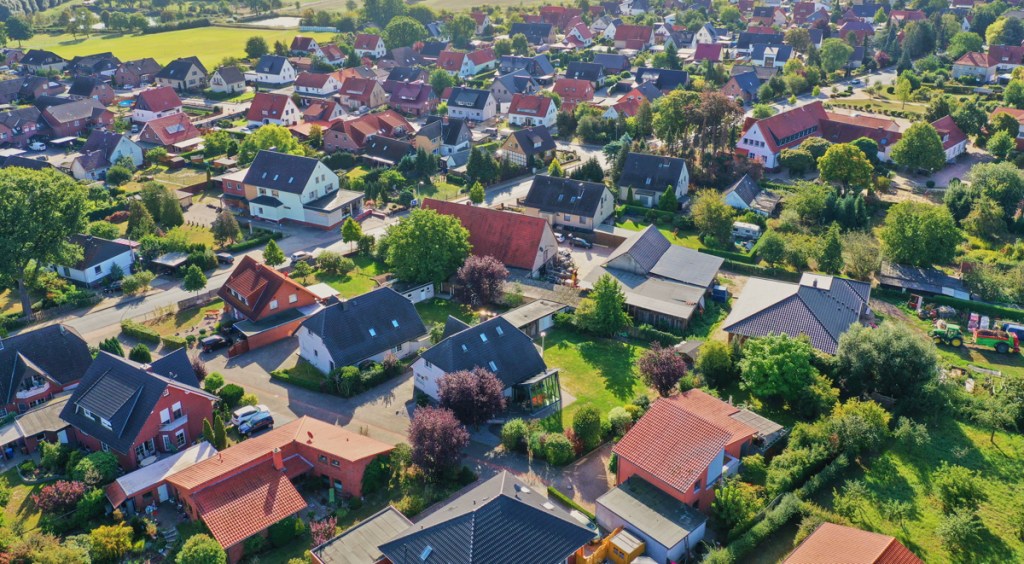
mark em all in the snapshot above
pixel 369 45
pixel 578 37
pixel 1013 112
pixel 37 364
pixel 131 493
pixel 529 147
pixel 96 65
pixel 634 37
pixel 247 487
pixel 316 85
pixel 821 307
pixel 359 93
pixel 266 304
pixel 332 54
pixel 385 151
pixel 227 80
pixel 471 104
pixel 156 103
pixel 747 39
pixel 629 103
pixel 293 189
pixel 364 328
pixel 708 52
pixel 35 87
pixel 863 12
pixel 975 65
pixel 139 412
pixel 41 61
pixel 665 285
pixel 858 29
pixel 1006 57
pixel 613 63
pixel 274 70
pixel 99 259
pixel 856 546
pixel 708 35
pixel 902 17
pixel 91 87
pixel 132 74
pixel 322 113
pixel 529 111
pixel 74 118
pixel 665 80
pixel 304 46
pixel 920 280
pixel 747 195
pixel 742 87
pixel 767 16
pixel 478 61
pixel 591 72
pixel 183 74
pixel 536 33
pixel 10 89
pixel 570 203
pixel 271 108
pixel 505 86
pixel 954 140
pixel 24 162
pixel 351 134
pixel 443 135
pixel 648 176
pixel 482 20
pixel 102 150
pixel 573 91
pixel 499 520
pixel 538 66
pixel 169 131
pixel 400 76
pixel 496 345
pixel 518 241
pixel 764 55
pixel 415 98
pixel 17 127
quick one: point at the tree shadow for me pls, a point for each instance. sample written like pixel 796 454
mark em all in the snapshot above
pixel 986 547
pixel 614 363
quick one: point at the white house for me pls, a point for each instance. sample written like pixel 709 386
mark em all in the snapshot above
pixel 648 176
pixel 99 258
pixel 101 150
pixel 289 188
pixel 274 70
pixel 747 195
pixel 369 45
pixel 277 109
pixel 529 111
pixel 706 35
pixel 472 104
pixel 156 103
pixel 227 80
pixel 360 329
pixel 317 85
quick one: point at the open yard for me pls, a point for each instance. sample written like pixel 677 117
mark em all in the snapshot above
pixel 210 44
pixel 186 320
pixel 21 509
pixel 438 310
pixel 358 281
pixel 194 234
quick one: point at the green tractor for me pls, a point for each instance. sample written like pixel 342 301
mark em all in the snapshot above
pixel 947 334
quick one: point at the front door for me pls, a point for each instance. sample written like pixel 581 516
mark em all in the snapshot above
pixel 62 436
pixel 163 493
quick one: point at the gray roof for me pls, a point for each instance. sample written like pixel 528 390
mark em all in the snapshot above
pixel 612 61
pixel 55 351
pixel 41 57
pixel 918 279
pixel 105 141
pixel 125 394
pixel 72 111
pixel 518 82
pixel 24 162
pixel 365 326
pixel 271 64
pixel 651 172
pixel 652 512
pixel 231 74
pixel 84 85
pixel 453 325
pixel 494 345
pixel 651 293
pixel 536 33
pixel 16 119
pixel 178 68
pixel 386 149
pixel 280 171
pixel 747 38
pixel 748 82
pixel 96 250
pixel 821 307
pixel 763 73
pixel 752 194
pixel 664 79
pixel 653 255
pixel 42 419
pixel 360 544
pixel 585 71
pixel 565 195
pixel 500 521
pixel 538 65
pixel 450 129
pixel 468 98
pixel 782 52
pixel 534 140
pixel 533 311
pixel 92 161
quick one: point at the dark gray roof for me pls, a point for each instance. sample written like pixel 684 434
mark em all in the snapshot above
pixel 748 82
pixel 645 249
pixel 78 110
pixel 280 171
pixel 41 57
pixel 763 73
pixel 664 79
pixel 361 544
pixel 585 71
pixel 494 345
pixel 178 68
pixel 868 10
pixel 763 12
pixel 176 366
pixel 748 38
pixel 650 253
pixel 271 64
pixel 651 172
pixel 231 75
pixel 782 52
pixel 453 325
pixel 534 140
pixel 433 48
pixel 94 64
pixel 268 201
pixel 405 74
pixel 365 326
pixel 518 82
pixel 386 149
pixel 92 161
pixel 84 85
pixel 565 195
pixel 612 61
pixel 746 188
pixel 500 521
pixel 96 250
pixel 16 119
pixel 24 162
pixel 122 392
pixel 654 513
pixel 536 33
pixel 105 141
pixel 449 129
pixel 538 65
pixel 918 279
pixel 55 351
pixel 468 98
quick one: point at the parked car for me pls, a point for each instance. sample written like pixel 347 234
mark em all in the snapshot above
pixel 37 146
pixel 301 256
pixel 247 412
pixel 259 422
pixel 560 237
pixel 214 342
pixel 225 258
pixel 579 242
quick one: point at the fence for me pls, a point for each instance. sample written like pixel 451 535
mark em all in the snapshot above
pixel 199 300
pixel 321 28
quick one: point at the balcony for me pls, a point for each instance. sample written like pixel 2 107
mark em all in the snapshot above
pixel 731 466
pixel 174 423
pixel 36 389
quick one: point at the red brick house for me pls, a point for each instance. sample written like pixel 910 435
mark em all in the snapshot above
pixel 131 74
pixel 636 37
pixel 416 98
pixel 246 488
pixel 266 305
pixel 17 127
pixel 351 135
pixel 139 412
pixel 36 365
pixel 91 87
pixel 168 130
pixel 573 91
pixel 362 92
pixel 74 118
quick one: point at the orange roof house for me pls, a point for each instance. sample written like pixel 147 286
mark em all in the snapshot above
pixel 573 91
pixel 846 545
pixel 246 488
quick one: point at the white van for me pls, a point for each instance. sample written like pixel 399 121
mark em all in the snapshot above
pixel 743 230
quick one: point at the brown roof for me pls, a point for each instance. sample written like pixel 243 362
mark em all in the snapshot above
pixel 975 59
pixel 574 89
pixel 257 283
pixel 634 33
pixel 1006 54
pixel 949 132
pixel 709 51
pixel 383 123
pixel 312 79
pixel 512 238
pixel 158 99
pixel 366 41
pixel 451 61
pixel 837 544
pixel 481 56
pixel 785 124
pixel 170 129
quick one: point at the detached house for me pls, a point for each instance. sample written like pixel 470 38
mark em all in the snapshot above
pixel 101 151
pixel 227 80
pixel 954 140
pixel 772 56
pixel 415 98
pixel 96 65
pixel 304 46
pixel 74 118
pixel 139 412
pixel 573 92
pixel 156 103
pixel 316 85
pixel 40 61
pixel 856 546
pixel 369 45
pixel 289 188
pixel 592 72
pixel 364 328
pixel 268 108
pixel 471 104
pixel 400 76
pixel 465 65
pixel 37 364
pixel 648 176
pixel 482 20
pixel 169 131
pixel 536 33
pixel 747 195
pixel 529 147
pixel 17 127
pixel 443 135
pixel 571 203
pixel 132 74
pixel 183 74
pixel 506 86
pixel 634 37
pixel 975 65
pixel 274 70
pixel 530 111
pixel 359 93
pixel 91 87
pixel 665 80
pixel 352 134
pixel 99 257
pixel 385 151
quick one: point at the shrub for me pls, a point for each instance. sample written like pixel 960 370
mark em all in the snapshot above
pixel 586 423
pixel 555 493
pixel 255 544
pixel 140 353
pixel 231 395
pixel 139 331
pixel 59 497
pixel 202 549
pixel 558 449
pixel 173 342
pixel 213 382
pixel 513 435
pixel 620 420
pixel 377 474
pixel 411 505
pixel 249 399
pixel 754 470
pixel 957 488
pixel 282 532
pixel 96 468
pixel 958 530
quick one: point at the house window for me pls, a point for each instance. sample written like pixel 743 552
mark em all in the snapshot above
pixel 176 408
pixel 322 459
pixel 427 363
pixel 394 323
pixel 273 304
pixel 106 424
pixel 373 332
pixel 179 437
pixel 494 367
pixel 165 416
pixel 696 486
pixel 167 442
pixel 335 463
pixel 483 337
pixel 98 269
pixel 104 447
pixel 293 298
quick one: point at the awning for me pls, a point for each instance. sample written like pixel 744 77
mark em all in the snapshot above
pixel 171 260
pixel 63 140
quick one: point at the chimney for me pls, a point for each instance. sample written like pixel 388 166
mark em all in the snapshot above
pixel 278 463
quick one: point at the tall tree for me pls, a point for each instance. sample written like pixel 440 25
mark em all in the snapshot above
pixel 483 279
pixel 919 234
pixel 661 368
pixel 474 396
pixel 834 54
pixel 403 31
pixel 272 254
pixel 194 280
pixel 140 221
pixel 846 164
pixel 712 217
pixel 256 46
pixel 831 258
pixel 220 435
pixel 425 246
pixel 225 228
pixel 603 310
pixel 19 28
pixel 920 147
pixel 351 231
pixel 462 28
pixel 441 80
pixel 208 431
pixel 39 212
pixel 437 439
pixel 777 366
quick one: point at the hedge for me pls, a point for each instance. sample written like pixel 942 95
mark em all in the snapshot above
pixel 664 338
pixel 774 519
pixel 173 342
pixel 261 239
pixel 101 213
pixel 139 331
pixel 553 492
pixel 762 271
pixel 283 376
pixel 993 310
pixel 735 257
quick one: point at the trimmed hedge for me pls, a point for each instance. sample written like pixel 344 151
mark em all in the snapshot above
pixel 735 257
pixel 762 271
pixel 261 239
pixel 1002 312
pixel 553 492
pixel 139 331
pixel 173 342
pixel 787 508
pixel 664 338
pixel 284 376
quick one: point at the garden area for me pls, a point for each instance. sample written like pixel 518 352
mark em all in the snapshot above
pixel 355 277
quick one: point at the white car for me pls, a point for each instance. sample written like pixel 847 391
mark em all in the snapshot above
pixel 37 146
pixel 302 256
pixel 243 414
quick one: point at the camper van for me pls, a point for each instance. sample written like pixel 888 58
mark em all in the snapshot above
pixel 742 230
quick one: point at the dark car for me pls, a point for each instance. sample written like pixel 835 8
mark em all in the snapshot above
pixel 259 422
pixel 579 242
pixel 214 342
pixel 225 258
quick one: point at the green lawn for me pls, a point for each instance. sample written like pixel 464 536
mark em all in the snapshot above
pixel 20 508
pixel 876 106
pixel 439 191
pixel 356 282
pixel 185 320
pixel 905 474
pixel 194 234
pixel 357 172
pixel 210 44
pixel 684 239
pixel 438 310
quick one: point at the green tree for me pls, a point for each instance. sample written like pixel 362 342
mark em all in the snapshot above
pixel 831 258
pixel 1005 31
pixel 777 366
pixel 816 146
pixel 904 90
pixel 586 424
pixel 140 353
pixel 920 148
pixel 869 147
pixel 256 46
pixel 440 80
pixel 970 117
pixel 957 487
pixel 712 217
pixel 799 38
pixel 476 192
pixel 715 364
pixel 110 543
pixel 771 247
pixel 272 254
pixel 213 382
pixel 834 54
pixel 643 123
pixel 797 160
pixel 735 504
pixel 266 137
pixel 112 346
pixel 425 247
pixel 41 210
pixel 603 310
pixel 461 30
pixel 520 44
pixel 351 231
pixel 104 230
pixel 220 435
pixel 964 42
pixel 668 201
pixel 118 175
pixel 996 414
pixel 860 254
pixel 1000 145
pixel 403 31
pixel 919 234
pixel 1013 94
pixel 194 280
pixel 19 28
pixel 846 164
pixel 555 168
pixel 225 228
pixel 959 530
pixel 1002 182
pixel 201 549
pixel 208 431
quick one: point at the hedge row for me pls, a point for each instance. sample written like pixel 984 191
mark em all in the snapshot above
pixel 190 24
pixel 102 213
pixel 255 241
pixel 787 508
pixel 762 271
pixel 173 342
pixel 998 311
pixel 735 257
pixel 139 331
pixel 649 333
pixel 553 492
pixel 284 376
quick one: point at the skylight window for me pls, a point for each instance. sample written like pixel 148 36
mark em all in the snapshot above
pixel 499 331
pixel 494 367
pixel 394 323
pixel 483 337
pixel 373 332
pixel 465 349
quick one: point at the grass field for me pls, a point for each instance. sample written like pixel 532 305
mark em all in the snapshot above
pixel 185 320
pixel 21 508
pixel 194 234
pixel 356 282
pixel 438 310
pixel 210 44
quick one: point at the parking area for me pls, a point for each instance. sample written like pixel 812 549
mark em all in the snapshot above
pixel 587 259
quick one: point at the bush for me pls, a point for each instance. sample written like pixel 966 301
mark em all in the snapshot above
pixel 139 331
pixel 377 474
pixel 140 353
pixel 957 488
pixel 649 334
pixel 173 342
pixel 513 435
pixel 558 449
pixel 620 420
pixel 96 468
pixel 754 470
pixel 411 505
pixel 231 395
pixel 255 544
pixel 586 424
pixel 213 382
pixel 281 533
pixel 202 549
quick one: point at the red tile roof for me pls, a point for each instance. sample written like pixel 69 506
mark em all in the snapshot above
pixel 907 15
pixel 481 56
pixel 383 123
pixel 312 79
pixel 366 41
pixel 634 33
pixel 301 43
pixel 512 238
pixel 673 444
pixel 715 410
pixel 791 122
pixel 257 283
pixel 837 544
pixel 761 29
pixel 949 132
pixel 170 129
pixel 451 61
pixel 478 17
pixel 158 99
pixel 359 89
pixel 975 59
pixel 530 105
pixel 267 105
pixel 1006 54
pixel 574 89
pixel 709 51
